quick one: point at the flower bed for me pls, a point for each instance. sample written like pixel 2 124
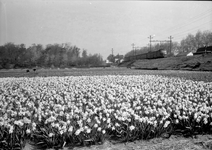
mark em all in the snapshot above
pixel 72 111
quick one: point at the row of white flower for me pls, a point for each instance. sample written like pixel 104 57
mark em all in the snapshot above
pixel 88 103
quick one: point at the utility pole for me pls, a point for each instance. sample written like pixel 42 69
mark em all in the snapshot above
pixel 150 40
pixel 170 40
pixel 133 46
pixel 112 53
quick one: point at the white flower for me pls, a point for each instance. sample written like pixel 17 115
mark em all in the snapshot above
pixel 155 123
pixel 51 134
pixel 96 125
pixel 28 131
pixel 88 130
pixel 104 119
pixel 117 124
pixel 19 123
pixel 205 120
pixel 61 132
pixel 11 129
pixel 107 115
pixel 132 127
pixel 166 124
pixel 99 129
pixel 198 119
pixel 26 120
pixel 70 129
pixel 78 132
pixel 195 115
pixel 33 124
pixel 88 120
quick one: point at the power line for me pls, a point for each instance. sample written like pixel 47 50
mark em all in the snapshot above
pixel 197 18
pixel 192 29
pixel 182 32
pixel 190 23
pixel 201 16
pixel 209 10
pixel 186 31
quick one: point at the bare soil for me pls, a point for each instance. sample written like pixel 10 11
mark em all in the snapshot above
pixel 201 142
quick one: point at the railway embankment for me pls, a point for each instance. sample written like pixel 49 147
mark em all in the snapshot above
pixel 195 63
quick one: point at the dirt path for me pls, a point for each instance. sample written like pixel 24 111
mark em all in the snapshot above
pixel 200 142
pixel 173 143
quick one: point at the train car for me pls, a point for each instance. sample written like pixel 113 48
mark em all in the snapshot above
pixel 141 56
pixel 203 50
pixel 161 53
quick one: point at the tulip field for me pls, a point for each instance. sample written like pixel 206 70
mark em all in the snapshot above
pixel 70 111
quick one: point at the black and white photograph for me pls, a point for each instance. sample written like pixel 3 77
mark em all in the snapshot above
pixel 105 75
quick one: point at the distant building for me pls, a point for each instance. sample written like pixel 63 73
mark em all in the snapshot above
pixel 185 54
pixel 190 54
pixel 175 52
pixel 107 61
pixel 119 60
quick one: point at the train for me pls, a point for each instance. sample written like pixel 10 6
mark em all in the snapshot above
pixel 204 50
pixel 161 53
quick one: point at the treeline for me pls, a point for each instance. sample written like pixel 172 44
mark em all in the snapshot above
pixel 53 55
pixel 189 44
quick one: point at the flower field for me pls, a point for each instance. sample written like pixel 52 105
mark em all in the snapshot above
pixel 56 112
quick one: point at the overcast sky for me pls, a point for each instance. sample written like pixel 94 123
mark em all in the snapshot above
pixel 99 26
